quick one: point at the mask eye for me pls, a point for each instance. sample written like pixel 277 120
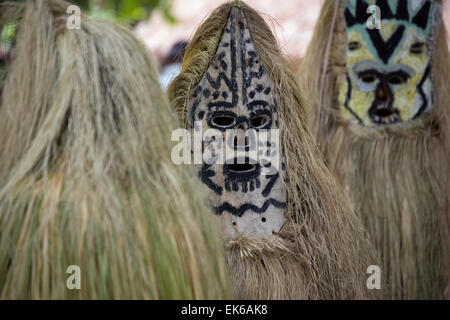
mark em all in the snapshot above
pixel 417 47
pixel 396 79
pixel 259 121
pixel 223 121
pixel 354 45
pixel 368 78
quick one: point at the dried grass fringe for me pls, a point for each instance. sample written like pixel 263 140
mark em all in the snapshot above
pixel 86 176
pixel 397 177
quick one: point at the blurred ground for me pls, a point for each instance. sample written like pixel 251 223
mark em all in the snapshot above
pixel 292 20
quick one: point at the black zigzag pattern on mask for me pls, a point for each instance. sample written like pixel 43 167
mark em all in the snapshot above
pixel 239 211
pixel 386 49
pixel 402 13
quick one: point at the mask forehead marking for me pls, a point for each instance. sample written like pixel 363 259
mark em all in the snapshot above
pixel 236 76
pixel 227 74
pixel 252 69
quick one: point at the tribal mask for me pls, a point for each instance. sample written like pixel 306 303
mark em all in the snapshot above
pixel 236 93
pixel 388 63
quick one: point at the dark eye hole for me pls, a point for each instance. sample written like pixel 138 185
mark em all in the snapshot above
pixel 396 79
pixel 259 121
pixel 417 47
pixel 368 78
pixel 354 45
pixel 223 121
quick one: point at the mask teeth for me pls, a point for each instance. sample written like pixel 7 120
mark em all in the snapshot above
pixel 231 185
pixel 252 185
pixel 244 186
pixel 228 184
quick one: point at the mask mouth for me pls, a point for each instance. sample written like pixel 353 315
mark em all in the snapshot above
pixel 241 168
pixel 382 113
pixel 242 174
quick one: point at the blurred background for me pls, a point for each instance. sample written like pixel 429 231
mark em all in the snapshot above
pixel 165 26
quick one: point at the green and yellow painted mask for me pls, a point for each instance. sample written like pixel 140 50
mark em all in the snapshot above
pixel 388 61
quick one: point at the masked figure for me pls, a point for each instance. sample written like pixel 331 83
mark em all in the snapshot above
pixel 288 228
pixel 381 118
pixel 236 93
pixel 88 190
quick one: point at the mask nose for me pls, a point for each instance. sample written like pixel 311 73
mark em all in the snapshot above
pixel 382 94
pixel 242 126
pixel 382 110
pixel 240 138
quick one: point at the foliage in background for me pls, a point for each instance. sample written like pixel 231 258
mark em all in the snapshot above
pixel 7 34
pixel 123 11
pixel 126 11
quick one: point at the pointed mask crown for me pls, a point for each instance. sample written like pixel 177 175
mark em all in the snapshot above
pixel 236 75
